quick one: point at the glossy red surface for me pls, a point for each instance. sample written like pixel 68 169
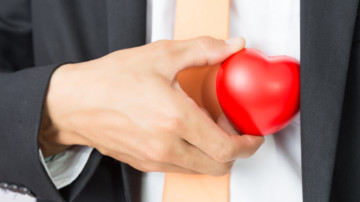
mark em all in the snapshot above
pixel 259 94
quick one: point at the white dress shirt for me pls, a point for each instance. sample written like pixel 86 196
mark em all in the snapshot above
pixel 273 174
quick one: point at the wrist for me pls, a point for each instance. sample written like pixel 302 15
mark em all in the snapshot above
pixel 48 137
pixel 53 138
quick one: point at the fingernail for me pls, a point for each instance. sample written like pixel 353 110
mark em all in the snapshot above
pixel 235 41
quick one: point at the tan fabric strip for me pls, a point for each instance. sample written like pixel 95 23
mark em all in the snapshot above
pixel 198 18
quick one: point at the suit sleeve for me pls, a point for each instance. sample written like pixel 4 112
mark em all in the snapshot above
pixel 23 89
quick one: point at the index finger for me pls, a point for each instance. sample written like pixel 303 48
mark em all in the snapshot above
pixel 198 52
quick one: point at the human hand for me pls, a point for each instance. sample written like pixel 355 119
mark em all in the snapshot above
pixel 126 105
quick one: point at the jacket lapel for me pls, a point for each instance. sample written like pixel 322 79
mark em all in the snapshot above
pixel 69 193
pixel 127 29
pixel 326 36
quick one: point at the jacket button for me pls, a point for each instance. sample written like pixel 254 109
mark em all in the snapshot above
pixel 13 188
pixel 4 185
pixel 23 190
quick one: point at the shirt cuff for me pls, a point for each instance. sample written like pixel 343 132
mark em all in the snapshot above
pixel 65 167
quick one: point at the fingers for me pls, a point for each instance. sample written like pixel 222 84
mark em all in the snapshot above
pixel 186 140
pixel 201 51
pixel 205 51
pixel 249 143
pixel 174 155
pixel 153 166
pixel 190 157
pixel 215 142
pixel 243 146
pixel 224 124
pixel 183 157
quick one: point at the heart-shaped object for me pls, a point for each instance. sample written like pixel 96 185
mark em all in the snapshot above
pixel 259 94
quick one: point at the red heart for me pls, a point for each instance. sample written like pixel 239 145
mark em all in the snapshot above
pixel 259 94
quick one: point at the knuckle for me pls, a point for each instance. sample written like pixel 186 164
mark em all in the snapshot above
pixel 247 154
pixel 172 124
pixel 251 152
pixel 192 164
pixel 164 46
pixel 161 49
pixel 158 152
pixel 257 141
pixel 226 168
pixel 226 154
pixel 254 146
pixel 205 42
pixel 206 46
pixel 261 141
pixel 223 169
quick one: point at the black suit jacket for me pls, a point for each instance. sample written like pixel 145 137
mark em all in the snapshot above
pixel 37 36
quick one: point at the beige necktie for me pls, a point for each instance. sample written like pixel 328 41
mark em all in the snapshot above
pixel 198 18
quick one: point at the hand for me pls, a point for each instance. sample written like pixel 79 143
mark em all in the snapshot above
pixel 126 105
pixel 224 124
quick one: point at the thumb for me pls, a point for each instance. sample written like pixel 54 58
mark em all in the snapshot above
pixel 202 51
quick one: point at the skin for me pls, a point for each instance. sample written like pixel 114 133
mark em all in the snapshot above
pixel 129 106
